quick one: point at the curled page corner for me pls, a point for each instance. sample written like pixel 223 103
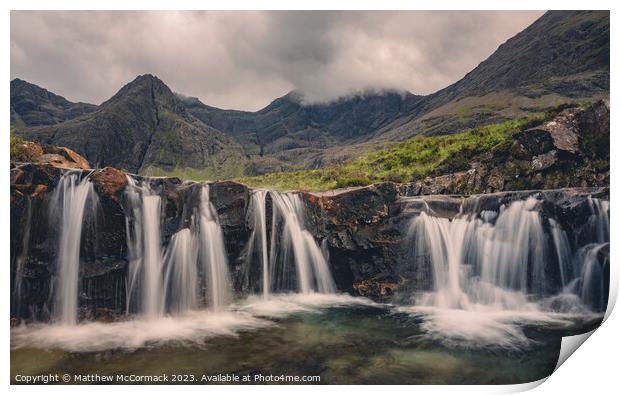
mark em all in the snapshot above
pixel 569 345
pixel 572 343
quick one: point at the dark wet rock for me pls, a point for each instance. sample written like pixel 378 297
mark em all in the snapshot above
pixel 364 231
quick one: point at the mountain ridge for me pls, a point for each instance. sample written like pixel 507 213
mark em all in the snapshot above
pixel 33 106
pixel 143 125
pixel 562 57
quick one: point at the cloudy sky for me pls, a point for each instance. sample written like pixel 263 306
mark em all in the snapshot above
pixel 243 60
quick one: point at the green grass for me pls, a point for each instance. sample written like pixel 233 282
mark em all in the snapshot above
pixel 223 165
pixel 406 161
pixel 16 142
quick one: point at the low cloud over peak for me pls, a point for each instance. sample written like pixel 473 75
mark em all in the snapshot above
pixel 243 60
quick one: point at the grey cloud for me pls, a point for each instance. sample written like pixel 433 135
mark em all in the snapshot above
pixel 246 59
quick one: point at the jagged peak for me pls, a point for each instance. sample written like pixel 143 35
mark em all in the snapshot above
pixel 148 85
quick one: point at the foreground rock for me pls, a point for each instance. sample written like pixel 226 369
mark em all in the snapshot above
pixel 363 230
pixel 61 157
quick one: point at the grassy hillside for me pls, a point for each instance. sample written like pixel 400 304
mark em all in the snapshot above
pixel 406 161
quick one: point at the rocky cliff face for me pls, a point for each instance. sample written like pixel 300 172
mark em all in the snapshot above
pixel 365 232
pixel 572 150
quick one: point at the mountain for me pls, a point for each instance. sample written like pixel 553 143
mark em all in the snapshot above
pixel 563 57
pixel 289 130
pixel 33 106
pixel 145 128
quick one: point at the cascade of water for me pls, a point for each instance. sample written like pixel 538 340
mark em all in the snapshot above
pixel 563 252
pixel 588 265
pixel 297 244
pixel 69 200
pixel 598 221
pixel 171 281
pixel 20 260
pixel 144 248
pixel 592 281
pixel 496 259
pixel 181 278
pixel 213 254
pixel 475 261
pixel 258 239
pixel 516 241
pixel 444 242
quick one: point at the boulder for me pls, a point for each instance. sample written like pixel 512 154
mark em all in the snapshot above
pixel 109 181
pixel 64 157
pixel 564 130
pixel 61 157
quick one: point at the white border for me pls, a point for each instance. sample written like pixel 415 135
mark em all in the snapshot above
pixel 592 369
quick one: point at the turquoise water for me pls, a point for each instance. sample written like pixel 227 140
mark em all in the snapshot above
pixel 342 341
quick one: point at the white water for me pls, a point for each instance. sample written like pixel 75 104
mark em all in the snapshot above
pixel 190 327
pixel 562 251
pixel 282 305
pixel 599 219
pixel 69 199
pixel 171 282
pixel 298 245
pixel 181 278
pixel 479 262
pixel 588 272
pixel 489 265
pixel 258 239
pixel 213 254
pixel 20 260
pixel 144 248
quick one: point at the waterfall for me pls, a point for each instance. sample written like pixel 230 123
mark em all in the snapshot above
pixel 144 248
pixel 476 261
pixel 213 254
pixel 444 242
pixel 513 246
pixel 589 269
pixel 171 281
pixel 69 201
pixel 598 221
pixel 297 244
pixel 258 238
pixel 563 251
pixel 591 282
pixel 20 260
pixel 498 259
pixel 181 272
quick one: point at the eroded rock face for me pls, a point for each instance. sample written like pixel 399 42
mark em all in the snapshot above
pixel 572 150
pixel 364 230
